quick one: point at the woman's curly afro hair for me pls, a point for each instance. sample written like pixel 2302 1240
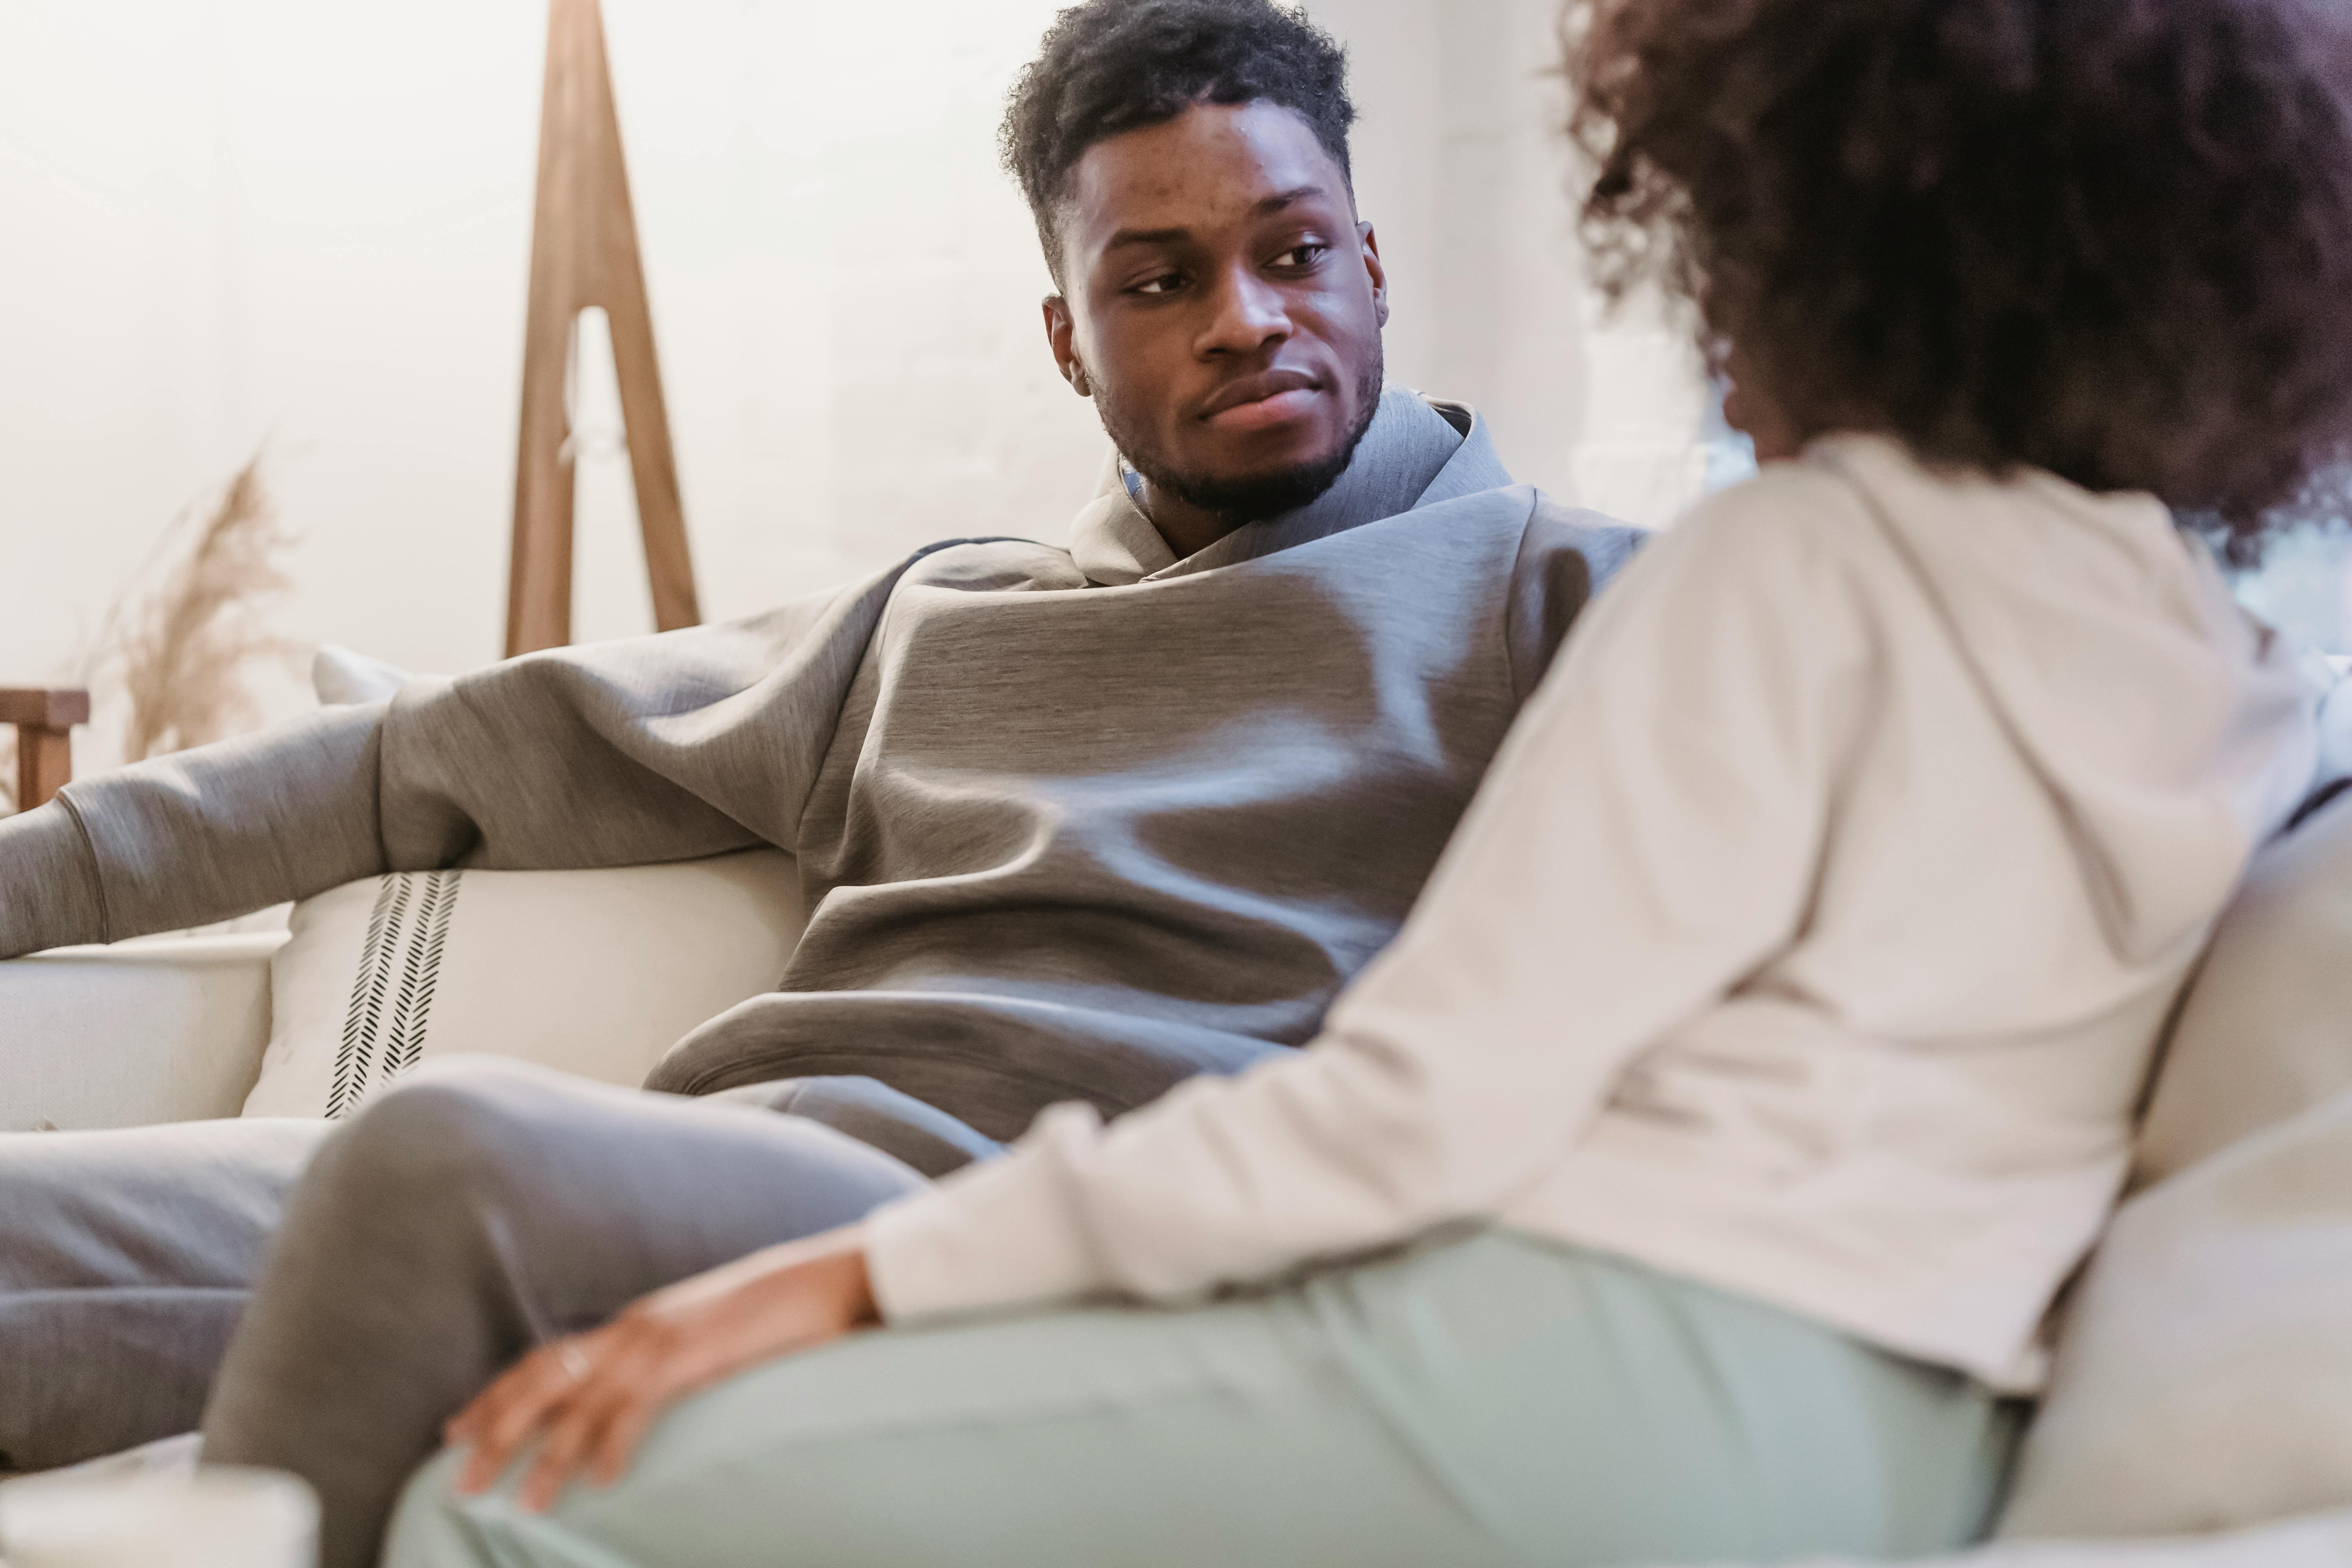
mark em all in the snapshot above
pixel 1113 66
pixel 2111 239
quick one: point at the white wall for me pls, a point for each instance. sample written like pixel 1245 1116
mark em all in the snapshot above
pixel 1461 165
pixel 305 223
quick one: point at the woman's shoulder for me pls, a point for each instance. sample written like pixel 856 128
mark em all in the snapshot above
pixel 1793 520
pixel 1864 503
pixel 1781 570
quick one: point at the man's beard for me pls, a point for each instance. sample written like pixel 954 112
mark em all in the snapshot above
pixel 1256 496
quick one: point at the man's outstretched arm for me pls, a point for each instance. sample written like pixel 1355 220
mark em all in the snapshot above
pixel 49 885
pixel 648 749
pixel 295 804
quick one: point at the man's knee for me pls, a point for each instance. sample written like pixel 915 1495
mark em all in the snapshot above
pixel 449 1130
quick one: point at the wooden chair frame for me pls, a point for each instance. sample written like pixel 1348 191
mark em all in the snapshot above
pixel 44 718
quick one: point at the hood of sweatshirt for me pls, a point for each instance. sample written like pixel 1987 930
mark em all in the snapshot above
pixel 1416 452
pixel 2090 623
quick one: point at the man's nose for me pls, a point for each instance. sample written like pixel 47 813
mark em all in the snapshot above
pixel 1248 314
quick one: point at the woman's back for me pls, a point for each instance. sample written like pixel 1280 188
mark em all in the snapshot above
pixel 2032 742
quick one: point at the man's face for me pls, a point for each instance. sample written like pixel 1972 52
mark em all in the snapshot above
pixel 1223 307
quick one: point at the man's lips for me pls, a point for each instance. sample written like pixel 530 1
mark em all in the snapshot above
pixel 1269 397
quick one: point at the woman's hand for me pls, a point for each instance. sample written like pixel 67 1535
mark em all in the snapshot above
pixel 592 1397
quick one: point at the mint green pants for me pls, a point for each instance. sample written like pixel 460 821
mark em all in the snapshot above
pixel 1490 1398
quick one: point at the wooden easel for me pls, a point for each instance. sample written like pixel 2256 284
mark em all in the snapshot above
pixel 584 253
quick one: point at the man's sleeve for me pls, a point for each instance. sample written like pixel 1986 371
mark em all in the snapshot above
pixel 1566 556
pixel 648 749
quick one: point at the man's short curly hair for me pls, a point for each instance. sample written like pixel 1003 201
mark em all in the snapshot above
pixel 1113 66
pixel 2111 239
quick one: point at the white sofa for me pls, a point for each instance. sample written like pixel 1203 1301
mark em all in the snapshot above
pixel 160 1029
pixel 173 1028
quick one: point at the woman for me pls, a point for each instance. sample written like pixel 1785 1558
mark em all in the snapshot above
pixel 1692 1176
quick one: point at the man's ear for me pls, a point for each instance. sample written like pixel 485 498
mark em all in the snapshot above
pixel 1369 244
pixel 1061 335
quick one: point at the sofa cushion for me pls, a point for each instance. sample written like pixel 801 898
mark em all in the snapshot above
pixel 596 972
pixel 2262 1031
pixel 2204 1377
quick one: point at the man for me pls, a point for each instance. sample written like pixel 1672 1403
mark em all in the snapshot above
pixel 1076 823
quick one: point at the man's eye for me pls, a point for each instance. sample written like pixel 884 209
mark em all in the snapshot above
pixel 1299 256
pixel 1166 283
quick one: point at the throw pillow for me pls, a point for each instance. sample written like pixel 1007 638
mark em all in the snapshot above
pixel 595 972
pixel 2204 1377
pixel 341 677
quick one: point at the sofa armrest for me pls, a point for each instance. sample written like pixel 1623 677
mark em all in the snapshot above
pixel 161 1029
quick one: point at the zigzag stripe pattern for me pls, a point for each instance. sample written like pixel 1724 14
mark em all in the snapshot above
pixel 367 997
pixel 388 964
pixel 421 975
pixel 376 1048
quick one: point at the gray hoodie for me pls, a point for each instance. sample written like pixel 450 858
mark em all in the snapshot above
pixel 1074 823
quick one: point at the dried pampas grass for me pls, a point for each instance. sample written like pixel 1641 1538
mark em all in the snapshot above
pixel 7 770
pixel 177 646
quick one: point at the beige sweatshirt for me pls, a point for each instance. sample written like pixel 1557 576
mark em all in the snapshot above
pixel 1808 938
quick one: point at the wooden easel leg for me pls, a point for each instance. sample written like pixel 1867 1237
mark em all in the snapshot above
pixel 584 253
pixel 539 580
pixel 660 517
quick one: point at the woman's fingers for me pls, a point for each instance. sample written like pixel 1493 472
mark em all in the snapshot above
pixel 627 1380
pixel 618 1442
pixel 530 1393
pixel 463 1426
pixel 669 1378
pixel 514 1386
pixel 589 1399
pixel 571 1434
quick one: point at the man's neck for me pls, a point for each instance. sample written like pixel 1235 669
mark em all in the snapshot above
pixel 1188 529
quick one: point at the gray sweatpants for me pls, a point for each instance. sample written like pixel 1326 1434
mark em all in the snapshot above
pixel 125 1259
pixel 463 1216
